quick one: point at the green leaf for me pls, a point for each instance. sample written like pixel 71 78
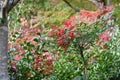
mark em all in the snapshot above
pixel 36 40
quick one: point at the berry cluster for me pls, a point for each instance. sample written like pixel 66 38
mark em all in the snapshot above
pixel 64 37
pixel 44 63
pixel 65 34
pixel 88 17
pixel 24 22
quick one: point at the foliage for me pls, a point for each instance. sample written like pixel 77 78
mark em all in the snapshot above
pixel 58 46
pixel 105 62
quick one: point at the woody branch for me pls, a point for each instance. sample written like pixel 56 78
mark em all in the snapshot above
pixel 9 4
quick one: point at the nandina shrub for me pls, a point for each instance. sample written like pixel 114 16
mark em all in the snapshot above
pixel 103 62
pixel 27 57
pixel 77 26
pixel 71 47
pixel 35 63
pixel 99 29
pixel 64 36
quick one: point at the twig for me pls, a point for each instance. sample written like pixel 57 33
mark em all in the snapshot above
pixel 99 3
pixel 12 3
pixel 84 62
pixel 76 9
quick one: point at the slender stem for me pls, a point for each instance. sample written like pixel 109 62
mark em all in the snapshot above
pixel 84 62
pixel 85 69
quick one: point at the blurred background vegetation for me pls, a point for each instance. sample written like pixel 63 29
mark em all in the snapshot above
pixel 49 12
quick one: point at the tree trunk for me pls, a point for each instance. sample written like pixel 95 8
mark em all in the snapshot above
pixel 5 7
pixel 108 2
pixel 3 52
